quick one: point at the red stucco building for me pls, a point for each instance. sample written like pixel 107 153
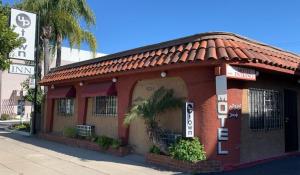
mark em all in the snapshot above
pixel 245 94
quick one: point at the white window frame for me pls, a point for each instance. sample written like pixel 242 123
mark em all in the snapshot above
pixel 109 106
pixel 65 106
pixel 265 109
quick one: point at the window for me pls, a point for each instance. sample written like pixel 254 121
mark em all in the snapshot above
pixel 105 106
pixel 265 109
pixel 65 106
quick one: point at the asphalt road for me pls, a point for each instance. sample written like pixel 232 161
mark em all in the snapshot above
pixel 286 166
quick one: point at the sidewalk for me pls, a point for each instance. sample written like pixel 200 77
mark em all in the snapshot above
pixel 14 121
pixel 31 156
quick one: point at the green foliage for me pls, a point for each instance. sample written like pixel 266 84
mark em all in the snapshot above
pixel 92 138
pixel 161 100
pixel 154 149
pixel 188 149
pixel 104 141
pixel 116 144
pixel 4 117
pixel 70 132
pixel 30 93
pixel 8 38
pixel 62 20
pixel 22 127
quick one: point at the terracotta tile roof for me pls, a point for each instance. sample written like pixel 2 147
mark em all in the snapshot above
pixel 192 49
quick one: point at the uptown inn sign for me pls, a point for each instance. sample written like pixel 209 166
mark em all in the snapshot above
pixel 24 24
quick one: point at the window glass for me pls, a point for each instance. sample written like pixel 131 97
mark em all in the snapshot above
pixel 65 106
pixel 105 105
pixel 265 111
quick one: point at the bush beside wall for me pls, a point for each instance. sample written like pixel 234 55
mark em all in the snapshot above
pixel 86 144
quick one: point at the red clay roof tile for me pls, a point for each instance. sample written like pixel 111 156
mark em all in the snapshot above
pixel 218 45
pixel 192 55
pixel 201 53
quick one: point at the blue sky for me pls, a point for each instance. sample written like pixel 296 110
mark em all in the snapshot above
pixel 126 24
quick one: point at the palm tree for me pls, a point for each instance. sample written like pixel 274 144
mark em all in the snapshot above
pixel 59 20
pixel 161 100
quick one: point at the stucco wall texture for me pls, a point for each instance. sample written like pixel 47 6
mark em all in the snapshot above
pixel 104 125
pixel 170 120
pixel 62 122
pixel 263 144
pixel 195 84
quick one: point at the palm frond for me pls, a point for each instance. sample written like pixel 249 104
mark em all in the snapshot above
pixel 161 100
pixel 133 114
pixel 65 18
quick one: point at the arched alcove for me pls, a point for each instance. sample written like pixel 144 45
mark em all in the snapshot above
pixel 171 119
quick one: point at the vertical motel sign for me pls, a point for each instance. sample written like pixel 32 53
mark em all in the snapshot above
pixel 24 24
pixel 222 112
pixel 188 120
pixel 232 72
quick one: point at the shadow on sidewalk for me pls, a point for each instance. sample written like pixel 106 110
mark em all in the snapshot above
pixel 83 154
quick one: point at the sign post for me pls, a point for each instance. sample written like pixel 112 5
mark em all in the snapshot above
pixel 37 52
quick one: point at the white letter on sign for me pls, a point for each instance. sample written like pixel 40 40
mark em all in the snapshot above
pixel 222 134
pixel 222 108
pixel 220 151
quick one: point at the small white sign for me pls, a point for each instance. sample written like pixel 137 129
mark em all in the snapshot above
pixel 188 120
pixel 31 83
pixel 24 24
pixel 240 73
pixel 21 69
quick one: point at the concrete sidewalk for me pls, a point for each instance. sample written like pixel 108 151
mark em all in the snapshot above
pixel 14 121
pixel 21 155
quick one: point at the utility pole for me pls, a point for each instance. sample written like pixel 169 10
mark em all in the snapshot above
pixel 36 72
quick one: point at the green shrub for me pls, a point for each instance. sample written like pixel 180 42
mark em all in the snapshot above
pixel 116 144
pixel 4 117
pixel 22 127
pixel 92 138
pixel 104 141
pixel 70 132
pixel 154 149
pixel 188 149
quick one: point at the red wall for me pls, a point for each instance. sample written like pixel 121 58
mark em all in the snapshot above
pixel 200 82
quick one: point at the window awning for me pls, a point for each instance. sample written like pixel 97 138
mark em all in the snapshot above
pixel 99 89
pixel 62 92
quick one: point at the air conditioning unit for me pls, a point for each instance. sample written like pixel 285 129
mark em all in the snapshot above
pixel 85 130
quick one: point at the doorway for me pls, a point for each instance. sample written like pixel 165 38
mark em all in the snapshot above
pixel 290 120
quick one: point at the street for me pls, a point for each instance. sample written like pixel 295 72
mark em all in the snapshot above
pixel 21 155
pixel 286 166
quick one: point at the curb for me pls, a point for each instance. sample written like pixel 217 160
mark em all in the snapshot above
pixel 27 134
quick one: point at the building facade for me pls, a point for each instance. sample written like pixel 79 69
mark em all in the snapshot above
pixel 245 95
pixel 11 91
